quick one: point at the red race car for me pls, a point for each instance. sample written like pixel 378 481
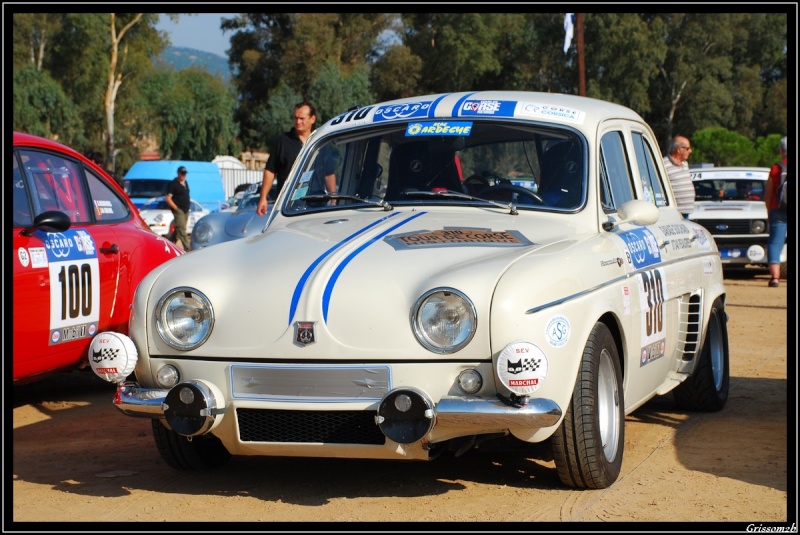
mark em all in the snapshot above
pixel 80 250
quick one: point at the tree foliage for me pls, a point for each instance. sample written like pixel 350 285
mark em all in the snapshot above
pixel 718 78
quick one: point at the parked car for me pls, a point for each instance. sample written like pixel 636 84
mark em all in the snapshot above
pixel 79 251
pixel 729 202
pixel 401 318
pixel 218 227
pixel 158 215
pixel 149 178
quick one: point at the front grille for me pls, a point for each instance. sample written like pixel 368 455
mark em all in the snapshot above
pixel 730 226
pixel 327 427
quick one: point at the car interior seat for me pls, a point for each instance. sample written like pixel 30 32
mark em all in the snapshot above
pixel 561 174
pixel 418 166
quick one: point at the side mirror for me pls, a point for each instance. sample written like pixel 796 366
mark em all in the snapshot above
pixel 637 212
pixel 50 221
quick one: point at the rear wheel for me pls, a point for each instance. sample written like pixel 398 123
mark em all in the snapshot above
pixel 707 388
pixel 588 445
pixel 182 453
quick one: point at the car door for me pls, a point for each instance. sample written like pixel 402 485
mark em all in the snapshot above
pixel 654 287
pixel 64 283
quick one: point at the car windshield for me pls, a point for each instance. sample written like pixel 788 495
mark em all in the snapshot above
pixel 145 187
pixel 447 161
pixel 729 190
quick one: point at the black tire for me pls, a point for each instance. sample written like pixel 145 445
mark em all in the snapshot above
pixel 707 388
pixel 198 453
pixel 588 445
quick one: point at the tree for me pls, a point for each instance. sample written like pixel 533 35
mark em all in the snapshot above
pixel 41 107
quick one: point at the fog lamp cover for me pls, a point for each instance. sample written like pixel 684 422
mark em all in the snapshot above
pixel 406 415
pixel 190 408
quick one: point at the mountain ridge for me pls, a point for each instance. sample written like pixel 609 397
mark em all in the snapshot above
pixel 180 58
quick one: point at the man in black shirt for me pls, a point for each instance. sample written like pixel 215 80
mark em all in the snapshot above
pixel 178 201
pixel 284 151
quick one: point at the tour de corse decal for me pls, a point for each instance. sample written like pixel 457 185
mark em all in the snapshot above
pixel 557 331
pixel 74 285
pixel 522 367
pixel 652 292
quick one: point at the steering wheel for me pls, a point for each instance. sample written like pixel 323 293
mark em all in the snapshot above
pixel 512 193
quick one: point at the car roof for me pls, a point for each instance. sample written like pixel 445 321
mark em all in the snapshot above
pixel 730 173
pixel 558 108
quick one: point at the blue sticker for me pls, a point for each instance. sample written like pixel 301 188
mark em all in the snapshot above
pixel 642 246
pixel 500 108
pixel 69 245
pixel 439 128
pixel 401 111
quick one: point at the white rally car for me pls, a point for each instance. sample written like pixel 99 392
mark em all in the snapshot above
pixel 729 202
pixel 397 316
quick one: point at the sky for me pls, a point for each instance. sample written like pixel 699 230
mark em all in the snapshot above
pixel 200 31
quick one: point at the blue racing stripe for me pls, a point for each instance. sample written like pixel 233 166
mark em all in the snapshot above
pixel 304 278
pixel 326 295
pixel 432 111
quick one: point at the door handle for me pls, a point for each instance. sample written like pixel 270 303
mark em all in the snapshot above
pixel 113 249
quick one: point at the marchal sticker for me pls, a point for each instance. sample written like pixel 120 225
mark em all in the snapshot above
pixel 522 367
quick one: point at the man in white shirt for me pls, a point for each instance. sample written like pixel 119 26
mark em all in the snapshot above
pixel 678 173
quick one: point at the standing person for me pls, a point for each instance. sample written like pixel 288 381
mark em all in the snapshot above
pixel 285 150
pixel 178 201
pixel 678 173
pixel 775 199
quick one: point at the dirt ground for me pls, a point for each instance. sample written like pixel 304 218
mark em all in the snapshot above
pixel 76 458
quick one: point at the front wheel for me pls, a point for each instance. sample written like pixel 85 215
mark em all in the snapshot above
pixel 588 445
pixel 707 388
pixel 182 453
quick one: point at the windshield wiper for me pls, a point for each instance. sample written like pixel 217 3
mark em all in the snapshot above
pixel 330 196
pixel 458 195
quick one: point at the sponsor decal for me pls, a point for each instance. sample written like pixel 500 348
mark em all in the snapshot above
pixel 641 247
pixel 439 128
pixel 626 300
pixel 504 108
pixel 557 331
pixel 652 306
pixel 457 236
pixel 550 111
pixel 102 207
pixel 402 111
pixel 38 257
pixel 73 267
pixel 522 367
pixel 304 332
pixel 24 258
pixel 652 352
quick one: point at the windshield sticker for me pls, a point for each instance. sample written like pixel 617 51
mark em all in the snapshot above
pixel 641 247
pixel 504 108
pixel 401 111
pixel 74 285
pixel 103 207
pixel 449 237
pixel 439 128
pixel 550 111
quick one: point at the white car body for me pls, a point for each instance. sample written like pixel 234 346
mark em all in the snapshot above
pixel 388 321
pixel 739 223
pixel 158 216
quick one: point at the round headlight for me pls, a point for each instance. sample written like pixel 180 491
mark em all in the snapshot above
pixel 202 232
pixel 758 226
pixel 184 318
pixel 444 320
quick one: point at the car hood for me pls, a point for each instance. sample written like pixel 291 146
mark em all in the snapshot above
pixel 352 274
